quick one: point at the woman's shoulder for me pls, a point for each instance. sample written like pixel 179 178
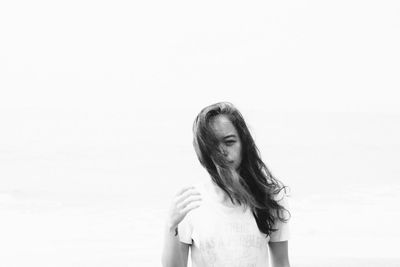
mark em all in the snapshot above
pixel 203 186
pixel 207 192
pixel 281 197
pixel 281 194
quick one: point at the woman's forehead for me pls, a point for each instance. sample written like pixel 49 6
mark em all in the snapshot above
pixel 222 126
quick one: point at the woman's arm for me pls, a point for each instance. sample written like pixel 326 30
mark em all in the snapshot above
pixel 175 253
pixel 279 254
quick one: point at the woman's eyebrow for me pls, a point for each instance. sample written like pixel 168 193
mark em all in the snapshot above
pixel 230 135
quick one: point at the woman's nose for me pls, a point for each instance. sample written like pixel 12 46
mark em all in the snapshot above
pixel 223 151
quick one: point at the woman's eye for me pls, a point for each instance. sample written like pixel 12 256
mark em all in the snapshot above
pixel 230 142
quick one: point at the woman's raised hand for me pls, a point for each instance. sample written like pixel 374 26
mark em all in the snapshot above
pixel 187 199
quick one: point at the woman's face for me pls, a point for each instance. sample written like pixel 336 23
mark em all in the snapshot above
pixel 228 139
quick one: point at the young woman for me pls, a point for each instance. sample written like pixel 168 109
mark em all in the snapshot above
pixel 239 216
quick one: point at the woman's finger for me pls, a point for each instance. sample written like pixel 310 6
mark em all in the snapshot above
pixel 188 200
pixel 180 192
pixel 193 205
pixel 187 194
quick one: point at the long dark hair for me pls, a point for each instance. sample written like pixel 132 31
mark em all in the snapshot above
pixel 257 188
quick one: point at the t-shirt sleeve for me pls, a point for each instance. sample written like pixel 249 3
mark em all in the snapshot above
pixel 282 233
pixel 185 230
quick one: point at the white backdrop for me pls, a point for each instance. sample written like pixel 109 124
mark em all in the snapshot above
pixel 97 100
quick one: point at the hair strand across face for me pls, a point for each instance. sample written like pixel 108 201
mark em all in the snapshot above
pixel 256 187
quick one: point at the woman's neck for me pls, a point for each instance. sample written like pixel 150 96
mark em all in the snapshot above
pixel 221 195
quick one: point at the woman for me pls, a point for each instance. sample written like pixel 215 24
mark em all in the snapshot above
pixel 239 216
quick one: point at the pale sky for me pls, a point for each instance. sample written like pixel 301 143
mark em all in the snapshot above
pixel 119 55
pixel 95 76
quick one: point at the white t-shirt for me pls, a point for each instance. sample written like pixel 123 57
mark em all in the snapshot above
pixel 223 236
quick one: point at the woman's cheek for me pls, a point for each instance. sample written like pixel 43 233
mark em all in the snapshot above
pixel 239 149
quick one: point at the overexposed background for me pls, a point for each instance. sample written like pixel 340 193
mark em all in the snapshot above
pixel 97 100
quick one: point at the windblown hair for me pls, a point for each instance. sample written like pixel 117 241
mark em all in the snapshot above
pixel 256 188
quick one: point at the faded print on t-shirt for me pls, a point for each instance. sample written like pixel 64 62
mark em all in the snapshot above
pixel 225 236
